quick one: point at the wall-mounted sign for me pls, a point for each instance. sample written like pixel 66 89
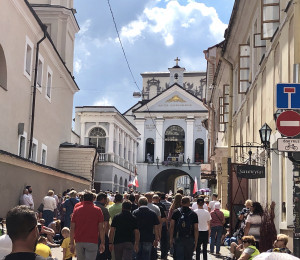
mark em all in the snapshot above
pixel 288 145
pixel 250 171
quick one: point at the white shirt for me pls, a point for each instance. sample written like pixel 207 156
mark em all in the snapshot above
pixel 154 208
pixel 195 206
pixel 203 218
pixel 49 203
pixel 5 246
pixel 211 204
pixel 27 200
pixel 31 200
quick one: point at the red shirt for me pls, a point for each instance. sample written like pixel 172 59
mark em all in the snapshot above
pixel 217 218
pixel 87 218
pixel 77 205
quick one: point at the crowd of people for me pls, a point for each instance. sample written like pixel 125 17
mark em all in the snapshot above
pixel 132 225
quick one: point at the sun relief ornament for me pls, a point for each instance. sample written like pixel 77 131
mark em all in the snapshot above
pixel 176 99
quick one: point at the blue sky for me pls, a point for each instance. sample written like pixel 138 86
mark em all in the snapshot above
pixel 153 33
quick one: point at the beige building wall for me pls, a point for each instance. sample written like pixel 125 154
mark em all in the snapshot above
pixel 257 106
pixel 16 174
pixel 53 116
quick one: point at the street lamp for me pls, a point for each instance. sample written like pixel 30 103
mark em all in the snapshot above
pixel 157 161
pixel 265 133
pixel 188 161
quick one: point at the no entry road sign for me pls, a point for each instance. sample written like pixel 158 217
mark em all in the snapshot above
pixel 288 96
pixel 288 123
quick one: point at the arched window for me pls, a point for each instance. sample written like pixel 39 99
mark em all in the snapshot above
pixel 174 143
pixel 116 183
pixel 97 137
pixel 126 184
pixel 199 150
pixel 121 185
pixel 3 70
pixel 149 155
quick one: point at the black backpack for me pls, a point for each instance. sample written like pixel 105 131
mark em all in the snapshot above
pixel 184 224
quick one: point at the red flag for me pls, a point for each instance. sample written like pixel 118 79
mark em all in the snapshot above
pixel 195 186
pixel 136 182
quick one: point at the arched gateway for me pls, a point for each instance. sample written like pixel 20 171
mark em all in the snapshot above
pixel 172 179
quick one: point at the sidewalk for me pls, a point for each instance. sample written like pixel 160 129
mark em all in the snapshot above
pixel 57 252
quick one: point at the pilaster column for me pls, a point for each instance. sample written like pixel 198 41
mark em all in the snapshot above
pixel 159 139
pixel 82 133
pixel 140 125
pixel 189 137
pixel 111 138
pixel 117 140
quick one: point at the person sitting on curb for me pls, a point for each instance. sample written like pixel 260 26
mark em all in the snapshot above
pixel 280 244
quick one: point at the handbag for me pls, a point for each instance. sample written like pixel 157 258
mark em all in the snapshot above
pixel 41 208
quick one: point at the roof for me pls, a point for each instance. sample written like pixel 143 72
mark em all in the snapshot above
pixel 175 84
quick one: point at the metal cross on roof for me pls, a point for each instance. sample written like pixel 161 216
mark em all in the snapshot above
pixel 177 61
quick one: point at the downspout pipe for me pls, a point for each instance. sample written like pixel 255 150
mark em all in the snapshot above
pixel 34 90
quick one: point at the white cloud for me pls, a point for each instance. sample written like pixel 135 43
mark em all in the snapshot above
pixel 77 65
pixel 103 102
pixel 171 21
pixel 85 26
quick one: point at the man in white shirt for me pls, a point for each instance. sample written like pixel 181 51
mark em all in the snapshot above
pixel 49 207
pixel 211 205
pixel 26 199
pixel 195 205
pixel 29 188
pixel 203 228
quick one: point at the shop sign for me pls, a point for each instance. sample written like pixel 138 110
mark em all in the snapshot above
pixel 250 171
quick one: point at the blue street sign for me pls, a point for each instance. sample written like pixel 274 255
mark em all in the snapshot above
pixel 288 96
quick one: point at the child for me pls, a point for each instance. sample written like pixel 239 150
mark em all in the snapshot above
pixel 67 255
pixel 42 249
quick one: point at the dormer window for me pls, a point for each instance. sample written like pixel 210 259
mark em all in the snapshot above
pixel 176 76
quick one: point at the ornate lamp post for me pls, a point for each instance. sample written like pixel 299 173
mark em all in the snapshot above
pixel 265 133
pixel 188 161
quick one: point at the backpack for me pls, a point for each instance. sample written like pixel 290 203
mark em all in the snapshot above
pixel 184 224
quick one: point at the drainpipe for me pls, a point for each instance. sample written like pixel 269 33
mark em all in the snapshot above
pixel 93 169
pixel 34 90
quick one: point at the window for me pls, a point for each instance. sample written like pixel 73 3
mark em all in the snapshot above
pixel 49 84
pixel 270 18
pixel 174 143
pixel 97 137
pixel 149 155
pixel 44 154
pixel 40 67
pixel 34 148
pixel 244 68
pixel 199 150
pixel 3 70
pixel 28 58
pixel 22 145
pixel 226 103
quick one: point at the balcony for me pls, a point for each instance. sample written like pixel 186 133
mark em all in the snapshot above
pixel 113 158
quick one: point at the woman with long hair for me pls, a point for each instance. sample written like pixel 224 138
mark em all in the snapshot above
pixel 175 205
pixel 253 222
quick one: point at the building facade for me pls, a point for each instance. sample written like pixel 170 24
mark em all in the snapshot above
pixel 36 93
pixel 170 119
pixel 116 141
pixel 261 49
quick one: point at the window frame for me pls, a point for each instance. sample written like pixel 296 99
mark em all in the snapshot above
pixel 29 43
pixel 24 135
pixel 269 21
pixel 39 85
pixel 44 148
pixel 49 72
pixel 221 114
pixel 36 143
pixel 244 68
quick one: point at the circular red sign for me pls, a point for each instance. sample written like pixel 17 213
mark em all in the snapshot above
pixel 288 123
